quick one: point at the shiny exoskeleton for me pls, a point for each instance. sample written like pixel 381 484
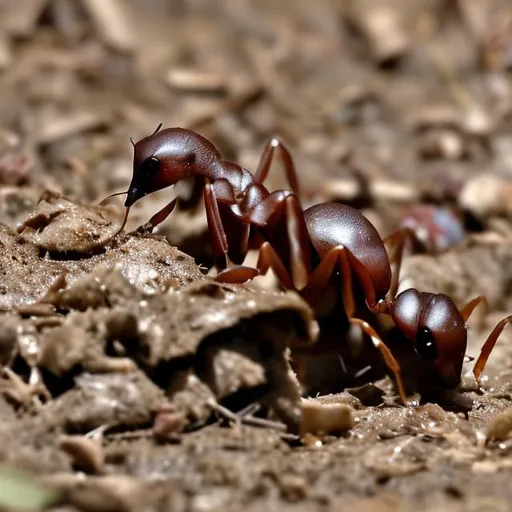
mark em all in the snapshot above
pixel 306 249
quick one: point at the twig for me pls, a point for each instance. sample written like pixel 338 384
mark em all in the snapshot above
pixel 262 422
pixel 247 419
pixel 349 189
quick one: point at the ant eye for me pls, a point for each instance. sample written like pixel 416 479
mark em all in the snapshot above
pixel 426 344
pixel 150 167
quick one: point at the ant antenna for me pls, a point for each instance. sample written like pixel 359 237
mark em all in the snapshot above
pixel 157 129
pixel 121 227
pixel 123 224
pixel 112 195
pixel 131 140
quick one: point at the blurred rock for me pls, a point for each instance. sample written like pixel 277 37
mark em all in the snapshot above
pixel 487 195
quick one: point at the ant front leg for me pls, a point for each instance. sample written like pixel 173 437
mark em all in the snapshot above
pixel 340 258
pixel 220 244
pixel 266 161
pixel 237 234
pixel 158 218
pixel 215 226
pixel 277 210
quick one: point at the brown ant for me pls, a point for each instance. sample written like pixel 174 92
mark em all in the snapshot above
pixel 305 248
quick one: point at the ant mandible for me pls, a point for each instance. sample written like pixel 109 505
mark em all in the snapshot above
pixel 305 248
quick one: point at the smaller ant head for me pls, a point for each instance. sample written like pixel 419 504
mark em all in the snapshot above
pixel 166 157
pixel 435 326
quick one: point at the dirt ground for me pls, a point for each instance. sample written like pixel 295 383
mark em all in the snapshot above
pixel 130 380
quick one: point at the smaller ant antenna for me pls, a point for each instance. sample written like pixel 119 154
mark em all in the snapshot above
pixel 131 140
pixel 342 364
pixel 362 371
pixel 157 129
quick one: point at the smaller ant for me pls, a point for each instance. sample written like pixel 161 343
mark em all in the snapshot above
pixel 306 249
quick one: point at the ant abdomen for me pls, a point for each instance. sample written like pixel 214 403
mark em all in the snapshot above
pixel 334 224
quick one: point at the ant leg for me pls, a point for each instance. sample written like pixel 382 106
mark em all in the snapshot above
pixel 217 233
pixel 266 161
pixel 487 347
pixel 271 211
pixel 158 218
pixel 386 354
pixel 235 229
pixel 237 274
pixel 223 189
pixel 220 245
pixel 397 239
pixel 237 233
pixel 340 257
pixel 268 258
pixel 320 276
pixel 319 279
pixel 468 309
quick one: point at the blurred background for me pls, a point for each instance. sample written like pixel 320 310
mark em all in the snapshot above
pixel 400 107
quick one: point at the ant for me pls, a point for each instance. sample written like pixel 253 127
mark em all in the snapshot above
pixel 306 249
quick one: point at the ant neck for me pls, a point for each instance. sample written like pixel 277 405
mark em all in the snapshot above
pixel 214 171
pixel 222 169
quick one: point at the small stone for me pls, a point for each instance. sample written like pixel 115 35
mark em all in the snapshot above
pixel 320 418
pixel 487 195
pixel 87 453
pixel 484 467
pixel 293 488
pixel 168 422
pixel 500 427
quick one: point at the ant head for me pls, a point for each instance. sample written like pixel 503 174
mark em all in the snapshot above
pixel 435 326
pixel 166 157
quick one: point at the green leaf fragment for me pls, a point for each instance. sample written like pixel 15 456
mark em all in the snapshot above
pixel 19 490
